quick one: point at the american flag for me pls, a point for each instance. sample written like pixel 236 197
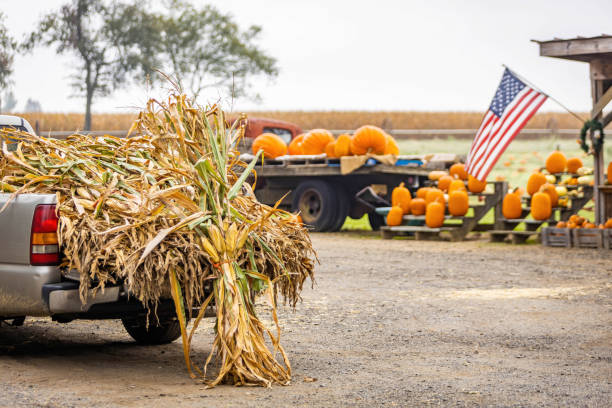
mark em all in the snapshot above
pixel 513 105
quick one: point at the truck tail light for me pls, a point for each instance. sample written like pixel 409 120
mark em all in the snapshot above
pixel 44 248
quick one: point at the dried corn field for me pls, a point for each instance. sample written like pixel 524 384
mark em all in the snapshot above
pixel 317 119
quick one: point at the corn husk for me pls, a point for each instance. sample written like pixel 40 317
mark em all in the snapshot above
pixel 169 214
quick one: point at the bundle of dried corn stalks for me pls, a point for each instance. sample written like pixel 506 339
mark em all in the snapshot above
pixel 165 213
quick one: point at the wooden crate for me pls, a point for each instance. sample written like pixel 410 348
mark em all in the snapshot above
pixel 607 238
pixel 587 237
pixel 557 237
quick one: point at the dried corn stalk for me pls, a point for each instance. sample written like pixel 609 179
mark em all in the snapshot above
pixel 164 213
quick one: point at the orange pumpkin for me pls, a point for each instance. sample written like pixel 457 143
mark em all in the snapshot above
pixel 589 225
pixel 456 185
pixel 272 145
pixel 519 191
pixel 330 149
pixel 540 206
pixel 316 140
pixel 392 147
pixel 434 194
pixel 343 145
pixel 608 223
pixel 610 173
pixel 561 224
pixel 572 181
pixel 556 162
pixel 457 170
pixel 295 146
pixel 458 203
pixel 394 217
pixel 511 206
pixel 534 182
pixel 434 215
pixel 573 218
pixel 476 186
pixel 417 206
pixel 444 182
pixel 552 193
pixel 422 192
pixel 571 225
pixel 400 197
pixel 368 139
pixel 573 164
pixel 435 175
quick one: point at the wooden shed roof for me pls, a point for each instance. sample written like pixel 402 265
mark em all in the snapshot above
pixel 579 49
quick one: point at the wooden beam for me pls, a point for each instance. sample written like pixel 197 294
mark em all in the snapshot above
pixel 576 47
pixel 607 119
pixel 601 69
pixel 601 103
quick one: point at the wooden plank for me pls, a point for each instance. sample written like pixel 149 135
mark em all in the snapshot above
pixel 600 69
pixel 575 48
pixel 607 119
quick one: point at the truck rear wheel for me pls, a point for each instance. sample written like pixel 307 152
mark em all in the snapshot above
pixel 316 201
pixel 165 331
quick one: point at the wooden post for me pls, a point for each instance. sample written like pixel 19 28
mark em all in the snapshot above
pixel 600 73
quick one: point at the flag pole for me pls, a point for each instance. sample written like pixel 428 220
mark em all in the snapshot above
pixel 539 90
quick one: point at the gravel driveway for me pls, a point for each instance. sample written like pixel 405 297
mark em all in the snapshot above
pixel 389 323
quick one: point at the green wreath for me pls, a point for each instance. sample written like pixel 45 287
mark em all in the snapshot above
pixel 593 126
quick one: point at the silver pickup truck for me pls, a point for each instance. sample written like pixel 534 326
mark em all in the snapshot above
pixel 32 283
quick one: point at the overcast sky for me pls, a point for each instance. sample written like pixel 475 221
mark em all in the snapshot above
pixel 368 55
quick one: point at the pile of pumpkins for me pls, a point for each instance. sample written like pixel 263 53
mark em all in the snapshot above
pixel 450 191
pixel 366 139
pixel 546 189
pixel 576 221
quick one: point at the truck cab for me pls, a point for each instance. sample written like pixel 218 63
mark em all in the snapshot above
pixel 256 126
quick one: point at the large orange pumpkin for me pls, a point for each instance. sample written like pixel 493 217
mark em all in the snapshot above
pixel 511 206
pixel 394 217
pixel 476 186
pixel 573 164
pixel 272 145
pixel 552 193
pixel 456 185
pixel 458 203
pixel 330 149
pixel 368 139
pixel 610 173
pixel 295 146
pixel 457 170
pixel 556 162
pixel 316 140
pixel 392 147
pixel 434 215
pixel 417 206
pixel 343 145
pixel 434 194
pixel 534 182
pixel 608 223
pixel 444 182
pixel 422 192
pixel 400 197
pixel 540 206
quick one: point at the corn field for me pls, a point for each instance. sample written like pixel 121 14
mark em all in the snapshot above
pixel 317 119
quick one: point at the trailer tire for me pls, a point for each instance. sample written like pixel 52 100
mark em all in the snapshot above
pixel 376 221
pixel 316 201
pixel 342 208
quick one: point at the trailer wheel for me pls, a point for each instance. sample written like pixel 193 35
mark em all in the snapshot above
pixel 316 201
pixel 342 208
pixel 376 221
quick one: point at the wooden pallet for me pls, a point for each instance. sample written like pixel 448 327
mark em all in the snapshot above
pixel 556 237
pixel 587 237
pixel 420 233
pixel 607 238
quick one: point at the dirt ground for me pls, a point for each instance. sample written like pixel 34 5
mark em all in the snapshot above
pixel 389 323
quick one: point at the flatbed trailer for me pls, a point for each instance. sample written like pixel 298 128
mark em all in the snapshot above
pixel 324 197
